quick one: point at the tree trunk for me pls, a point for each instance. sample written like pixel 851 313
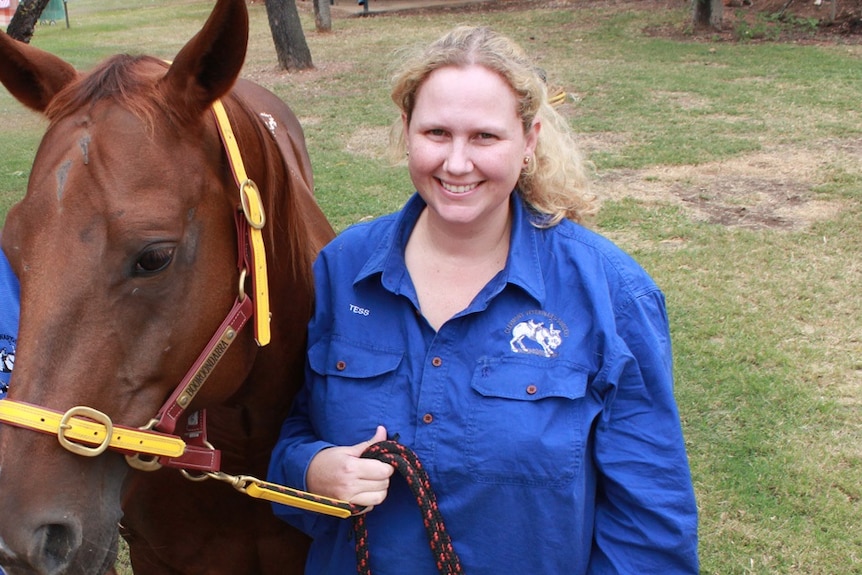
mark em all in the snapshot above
pixel 707 13
pixel 290 46
pixel 23 23
pixel 322 16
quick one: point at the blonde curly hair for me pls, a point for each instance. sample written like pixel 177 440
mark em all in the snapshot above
pixel 556 184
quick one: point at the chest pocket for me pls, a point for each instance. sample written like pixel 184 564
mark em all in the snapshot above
pixel 527 422
pixel 352 388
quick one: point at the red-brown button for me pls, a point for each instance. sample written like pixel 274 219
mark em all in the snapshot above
pixel 436 362
pixel 340 366
pixel 427 418
pixel 532 389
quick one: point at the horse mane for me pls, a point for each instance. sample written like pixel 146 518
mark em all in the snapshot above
pixel 128 82
pixel 285 215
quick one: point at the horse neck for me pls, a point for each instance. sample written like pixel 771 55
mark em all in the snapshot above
pixel 295 231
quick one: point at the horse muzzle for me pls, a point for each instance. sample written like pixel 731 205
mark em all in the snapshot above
pixel 49 548
pixel 47 527
pixel 54 546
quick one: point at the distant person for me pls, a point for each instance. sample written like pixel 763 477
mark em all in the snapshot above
pixel 524 359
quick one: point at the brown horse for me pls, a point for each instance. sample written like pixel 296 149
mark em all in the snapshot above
pixel 127 248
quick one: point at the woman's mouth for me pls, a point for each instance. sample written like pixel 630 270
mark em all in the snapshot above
pixel 453 189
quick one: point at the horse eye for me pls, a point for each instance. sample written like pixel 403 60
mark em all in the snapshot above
pixel 154 260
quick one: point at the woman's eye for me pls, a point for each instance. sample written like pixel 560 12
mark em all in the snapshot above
pixel 154 260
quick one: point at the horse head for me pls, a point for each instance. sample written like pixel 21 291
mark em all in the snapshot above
pixel 126 248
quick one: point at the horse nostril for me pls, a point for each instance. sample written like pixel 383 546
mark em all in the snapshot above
pixel 55 545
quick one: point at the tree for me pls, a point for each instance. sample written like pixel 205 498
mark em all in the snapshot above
pixel 290 46
pixel 323 18
pixel 707 13
pixel 23 23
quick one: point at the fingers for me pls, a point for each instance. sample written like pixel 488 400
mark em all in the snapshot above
pixel 371 492
pixel 341 473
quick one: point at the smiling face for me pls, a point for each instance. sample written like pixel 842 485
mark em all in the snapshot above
pixel 467 147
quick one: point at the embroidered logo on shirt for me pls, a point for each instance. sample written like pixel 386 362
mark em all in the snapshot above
pixel 7 362
pixel 536 332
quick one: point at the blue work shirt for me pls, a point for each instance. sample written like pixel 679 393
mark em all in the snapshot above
pixel 10 303
pixel 543 413
pixel 9 313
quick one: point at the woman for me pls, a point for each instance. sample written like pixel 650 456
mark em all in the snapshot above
pixel 524 359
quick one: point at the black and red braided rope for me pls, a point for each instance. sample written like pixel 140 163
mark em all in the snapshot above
pixel 405 461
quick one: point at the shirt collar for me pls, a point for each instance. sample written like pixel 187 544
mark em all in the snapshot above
pixel 523 266
pixel 388 257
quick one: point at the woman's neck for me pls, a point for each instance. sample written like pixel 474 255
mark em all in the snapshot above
pixel 449 269
pixel 462 243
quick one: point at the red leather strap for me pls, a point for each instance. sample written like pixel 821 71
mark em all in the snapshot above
pixel 226 334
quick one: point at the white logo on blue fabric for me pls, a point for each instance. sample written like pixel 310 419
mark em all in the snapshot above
pixel 536 332
pixel 7 362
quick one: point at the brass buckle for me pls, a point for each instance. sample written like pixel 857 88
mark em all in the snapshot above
pixel 254 214
pixel 90 413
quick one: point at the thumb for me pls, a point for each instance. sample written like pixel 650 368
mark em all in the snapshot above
pixel 379 435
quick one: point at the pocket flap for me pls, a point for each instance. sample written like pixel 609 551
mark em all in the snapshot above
pixel 344 358
pixel 529 381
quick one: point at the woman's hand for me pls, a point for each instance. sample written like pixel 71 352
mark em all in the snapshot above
pixel 341 473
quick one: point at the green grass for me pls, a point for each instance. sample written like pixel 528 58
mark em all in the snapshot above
pixel 767 320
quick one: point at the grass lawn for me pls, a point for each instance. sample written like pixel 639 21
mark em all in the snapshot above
pixel 731 171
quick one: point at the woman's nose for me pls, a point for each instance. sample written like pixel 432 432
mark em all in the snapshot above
pixel 458 160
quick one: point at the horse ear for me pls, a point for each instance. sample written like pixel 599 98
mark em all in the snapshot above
pixel 208 65
pixel 32 75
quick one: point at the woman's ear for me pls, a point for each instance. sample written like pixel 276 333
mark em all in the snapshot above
pixel 532 138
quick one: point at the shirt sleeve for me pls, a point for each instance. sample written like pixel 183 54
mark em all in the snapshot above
pixel 646 515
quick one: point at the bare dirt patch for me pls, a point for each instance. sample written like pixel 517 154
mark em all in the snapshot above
pixel 774 188
pixel 370 142
pixel 270 75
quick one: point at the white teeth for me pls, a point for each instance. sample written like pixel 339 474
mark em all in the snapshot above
pixel 457 189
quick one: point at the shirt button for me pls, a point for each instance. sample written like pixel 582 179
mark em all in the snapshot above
pixel 340 366
pixel 531 389
pixel 436 362
pixel 427 418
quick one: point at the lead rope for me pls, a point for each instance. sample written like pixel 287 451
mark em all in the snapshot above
pixel 406 462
